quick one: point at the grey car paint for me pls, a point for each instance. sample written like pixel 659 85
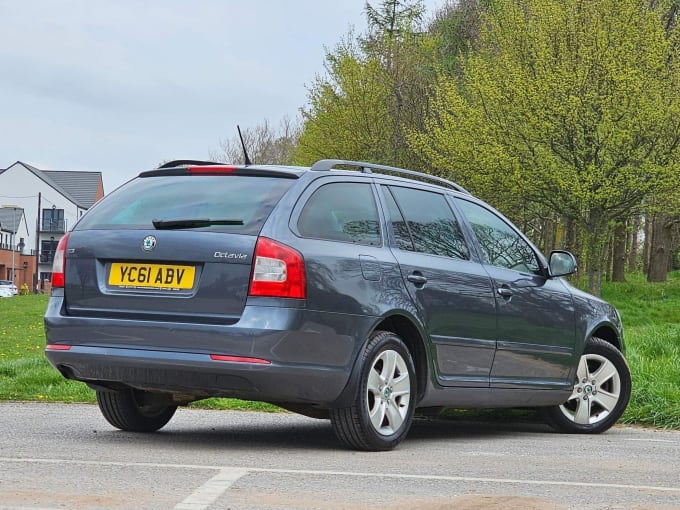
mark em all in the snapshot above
pixel 150 341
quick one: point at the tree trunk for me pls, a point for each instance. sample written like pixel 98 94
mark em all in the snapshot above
pixel 649 220
pixel 633 244
pixel 559 237
pixel 675 243
pixel 596 242
pixel 549 234
pixel 570 238
pixel 660 248
pixel 619 253
pixel 594 271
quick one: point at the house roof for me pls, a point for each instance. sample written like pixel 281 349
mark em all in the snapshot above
pixel 10 218
pixel 80 187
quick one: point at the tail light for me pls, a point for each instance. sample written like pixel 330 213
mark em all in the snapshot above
pixel 278 271
pixel 59 263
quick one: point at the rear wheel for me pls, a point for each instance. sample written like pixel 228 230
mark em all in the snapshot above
pixel 600 395
pixel 134 410
pixel 382 411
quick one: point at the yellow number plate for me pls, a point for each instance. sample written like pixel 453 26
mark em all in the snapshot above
pixel 154 276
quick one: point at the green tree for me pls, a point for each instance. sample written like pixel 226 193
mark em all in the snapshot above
pixel 375 89
pixel 569 105
pixel 456 29
pixel 393 20
pixel 347 109
pixel 663 210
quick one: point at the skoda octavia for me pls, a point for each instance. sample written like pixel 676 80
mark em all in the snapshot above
pixel 358 296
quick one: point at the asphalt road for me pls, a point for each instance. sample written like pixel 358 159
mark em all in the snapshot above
pixel 55 456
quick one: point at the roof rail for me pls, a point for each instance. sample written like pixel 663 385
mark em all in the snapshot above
pixel 367 168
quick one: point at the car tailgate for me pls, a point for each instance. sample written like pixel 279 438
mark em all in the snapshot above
pixel 177 275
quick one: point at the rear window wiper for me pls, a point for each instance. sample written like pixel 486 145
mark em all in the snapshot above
pixel 192 223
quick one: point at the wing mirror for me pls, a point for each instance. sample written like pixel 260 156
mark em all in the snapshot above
pixel 562 263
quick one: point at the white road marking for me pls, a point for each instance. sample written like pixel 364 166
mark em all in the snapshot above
pixel 208 493
pixel 2 507
pixel 111 463
pixel 402 476
pixel 514 481
pixel 651 440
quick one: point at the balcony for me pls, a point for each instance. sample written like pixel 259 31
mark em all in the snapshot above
pixel 49 225
pixel 47 257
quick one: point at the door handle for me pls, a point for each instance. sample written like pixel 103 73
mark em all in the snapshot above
pixel 506 292
pixel 417 278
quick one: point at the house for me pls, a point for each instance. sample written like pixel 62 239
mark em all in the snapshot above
pixel 50 201
pixel 14 265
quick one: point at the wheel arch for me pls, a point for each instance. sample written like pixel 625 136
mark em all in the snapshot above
pixel 411 335
pixel 407 328
pixel 608 333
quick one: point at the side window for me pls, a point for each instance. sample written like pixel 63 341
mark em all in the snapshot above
pixel 397 222
pixel 500 244
pixel 342 211
pixel 429 222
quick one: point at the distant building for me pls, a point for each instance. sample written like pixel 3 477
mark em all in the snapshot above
pixel 49 202
pixel 13 235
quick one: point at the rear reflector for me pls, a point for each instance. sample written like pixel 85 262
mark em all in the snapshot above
pixel 278 271
pixel 57 347
pixel 239 359
pixel 59 264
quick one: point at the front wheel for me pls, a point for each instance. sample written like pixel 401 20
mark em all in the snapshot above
pixel 382 411
pixel 600 395
pixel 134 410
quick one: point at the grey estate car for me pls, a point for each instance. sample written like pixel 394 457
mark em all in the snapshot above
pixel 359 296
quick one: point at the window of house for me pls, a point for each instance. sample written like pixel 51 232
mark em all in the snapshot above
pixel 47 250
pixel 53 220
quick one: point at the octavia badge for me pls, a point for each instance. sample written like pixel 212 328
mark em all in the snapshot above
pixel 149 243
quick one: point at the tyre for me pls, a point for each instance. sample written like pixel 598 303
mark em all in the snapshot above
pixel 601 392
pixel 382 411
pixel 135 411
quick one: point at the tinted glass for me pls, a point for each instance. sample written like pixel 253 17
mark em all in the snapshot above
pixel 501 245
pixel 243 199
pixel 431 223
pixel 397 223
pixel 342 211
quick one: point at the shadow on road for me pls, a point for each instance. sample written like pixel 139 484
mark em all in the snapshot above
pixel 285 431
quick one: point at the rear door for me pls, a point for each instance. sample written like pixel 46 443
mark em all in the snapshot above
pixel 452 292
pixel 174 247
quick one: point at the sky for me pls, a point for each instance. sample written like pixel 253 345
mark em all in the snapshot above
pixel 121 86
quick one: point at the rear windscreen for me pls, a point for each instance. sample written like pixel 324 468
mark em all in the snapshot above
pixel 235 203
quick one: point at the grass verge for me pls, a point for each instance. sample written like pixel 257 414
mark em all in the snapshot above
pixel 650 314
pixel 651 318
pixel 25 374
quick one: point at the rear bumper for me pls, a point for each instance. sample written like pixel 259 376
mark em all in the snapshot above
pixel 198 375
pixel 310 354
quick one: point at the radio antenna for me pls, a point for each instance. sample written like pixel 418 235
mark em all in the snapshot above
pixel 245 152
